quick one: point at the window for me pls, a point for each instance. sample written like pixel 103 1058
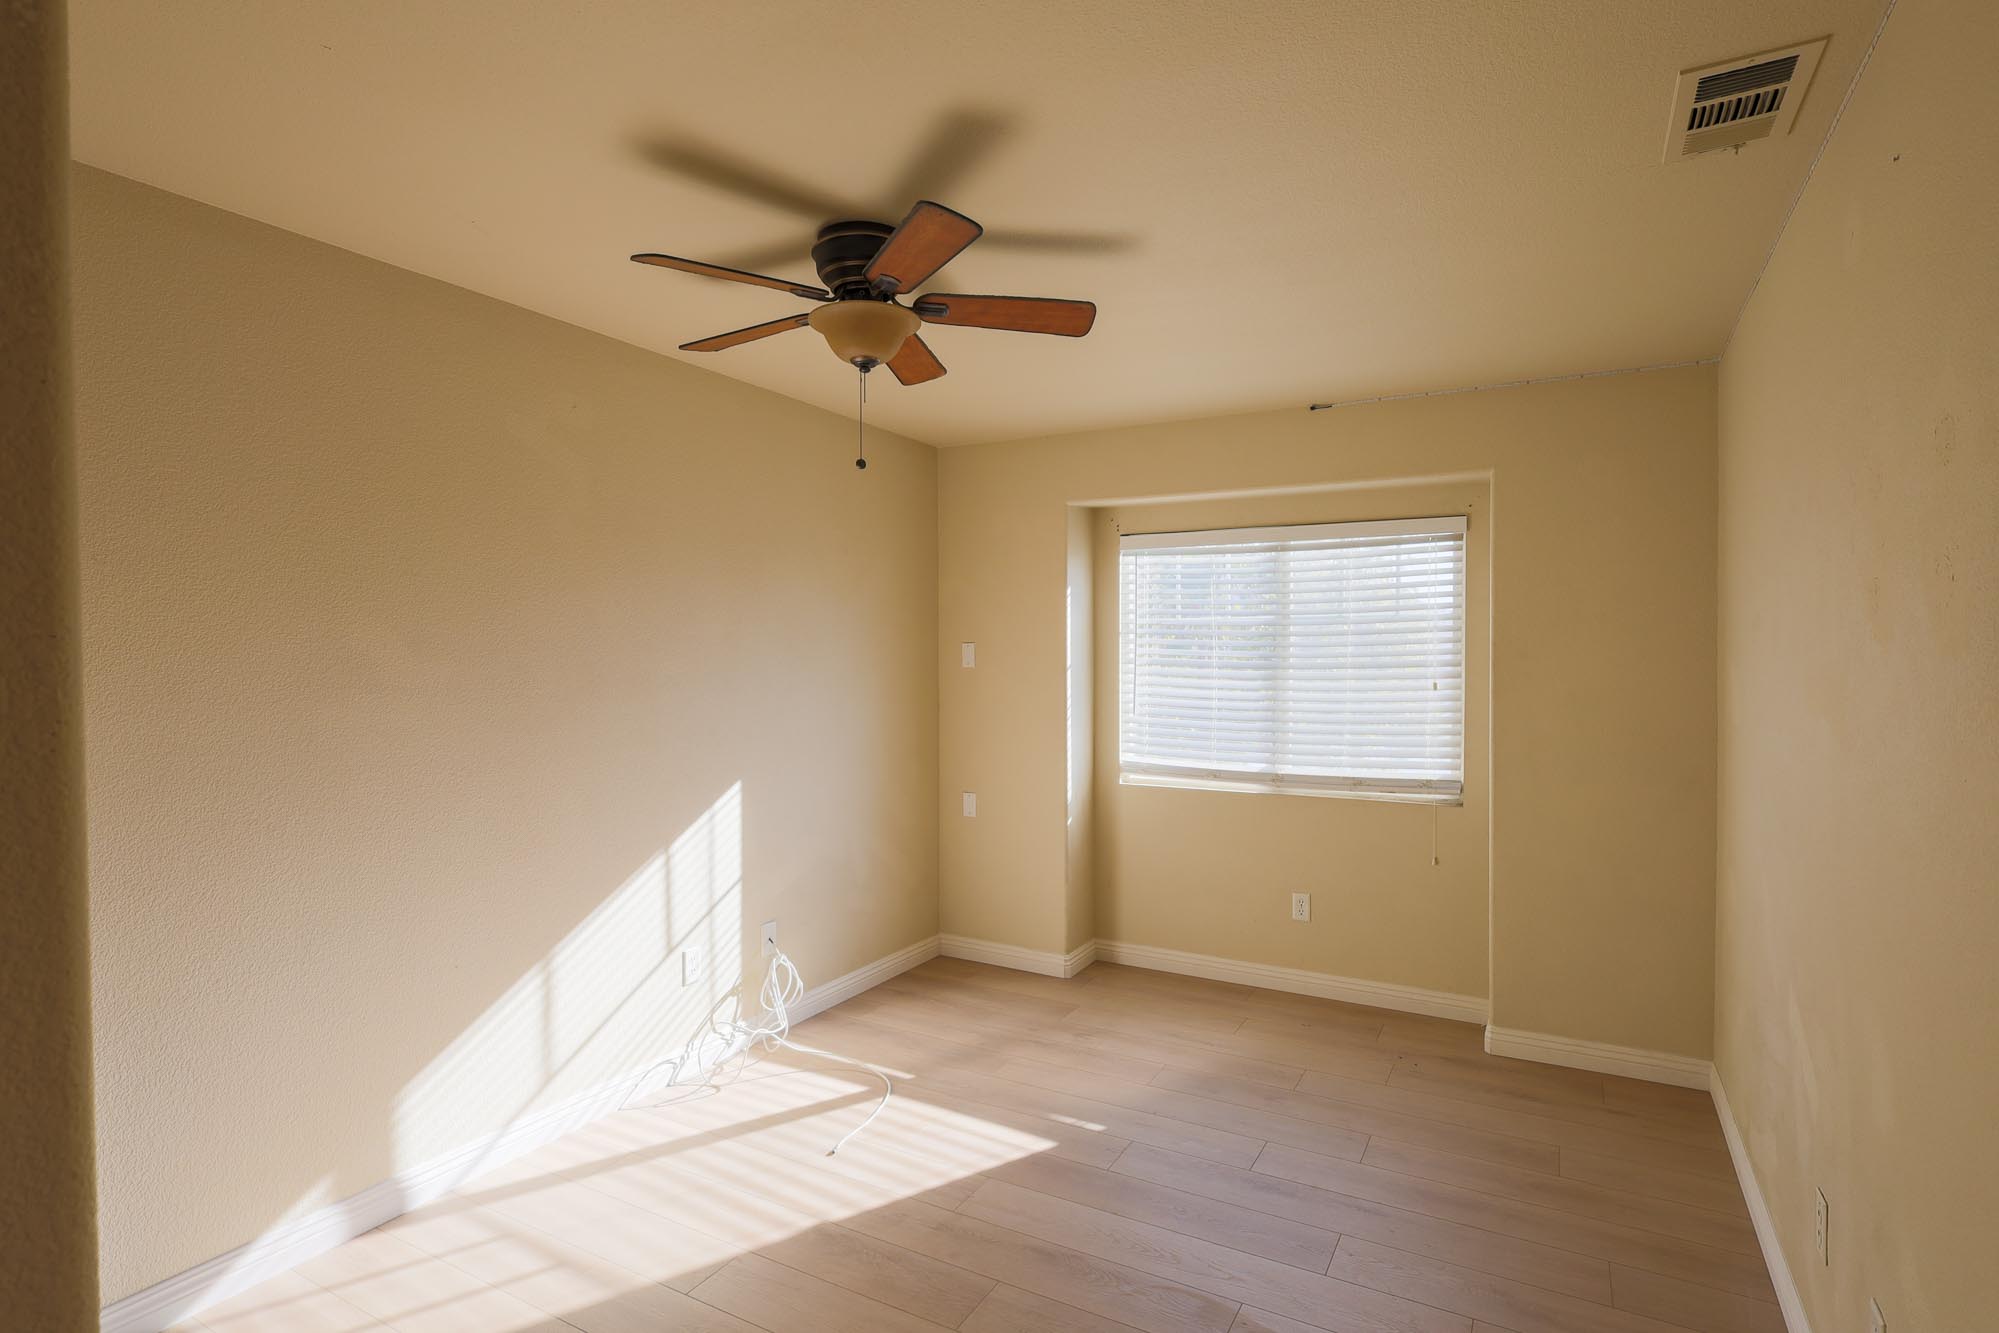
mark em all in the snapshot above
pixel 1328 658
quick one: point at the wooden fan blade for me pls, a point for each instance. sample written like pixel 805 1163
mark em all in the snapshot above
pixel 915 363
pixel 748 335
pixel 1023 314
pixel 805 290
pixel 928 239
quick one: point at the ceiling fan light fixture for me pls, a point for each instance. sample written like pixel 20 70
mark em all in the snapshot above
pixel 864 333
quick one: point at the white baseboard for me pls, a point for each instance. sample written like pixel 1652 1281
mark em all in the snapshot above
pixel 1788 1299
pixel 825 996
pixel 1017 958
pixel 1599 1057
pixel 1297 981
pixel 1682 1071
pixel 285 1247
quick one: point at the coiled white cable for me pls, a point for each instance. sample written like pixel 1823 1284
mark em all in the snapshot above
pixel 728 1041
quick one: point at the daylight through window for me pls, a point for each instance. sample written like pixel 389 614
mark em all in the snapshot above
pixel 1326 658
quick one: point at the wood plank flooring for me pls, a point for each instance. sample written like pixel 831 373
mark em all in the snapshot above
pixel 1125 1150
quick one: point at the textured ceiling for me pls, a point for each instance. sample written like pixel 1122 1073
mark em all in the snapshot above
pixel 1272 202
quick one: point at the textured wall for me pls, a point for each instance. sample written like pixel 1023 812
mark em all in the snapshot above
pixel 1085 715
pixel 1858 899
pixel 1602 495
pixel 448 671
pixel 1213 872
pixel 48 1259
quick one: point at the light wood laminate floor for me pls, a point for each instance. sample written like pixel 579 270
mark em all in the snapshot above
pixel 1127 1149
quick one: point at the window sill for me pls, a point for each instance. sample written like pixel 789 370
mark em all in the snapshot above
pixel 1284 789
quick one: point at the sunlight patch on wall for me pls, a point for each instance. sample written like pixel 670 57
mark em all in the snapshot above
pixel 610 998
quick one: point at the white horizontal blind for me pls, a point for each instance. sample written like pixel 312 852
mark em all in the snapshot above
pixel 1329 657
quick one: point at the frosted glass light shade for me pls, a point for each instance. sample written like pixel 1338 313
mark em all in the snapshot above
pixel 864 333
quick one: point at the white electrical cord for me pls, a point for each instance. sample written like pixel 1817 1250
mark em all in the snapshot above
pixel 727 1043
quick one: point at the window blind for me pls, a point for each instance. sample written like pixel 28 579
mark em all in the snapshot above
pixel 1327 657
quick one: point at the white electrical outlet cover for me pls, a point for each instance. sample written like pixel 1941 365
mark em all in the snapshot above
pixel 971 805
pixel 1301 907
pixel 968 654
pixel 1876 1321
pixel 770 938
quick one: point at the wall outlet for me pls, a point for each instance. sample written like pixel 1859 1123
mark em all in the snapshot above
pixel 971 799
pixel 1822 1227
pixel 968 654
pixel 770 938
pixel 690 967
pixel 1876 1321
pixel 1301 907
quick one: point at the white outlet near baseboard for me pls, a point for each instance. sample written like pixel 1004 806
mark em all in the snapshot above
pixel 1822 1227
pixel 770 938
pixel 1876 1321
pixel 1301 907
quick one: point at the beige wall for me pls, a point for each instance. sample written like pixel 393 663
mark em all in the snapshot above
pixel 448 670
pixel 48 1252
pixel 1858 895
pixel 1213 872
pixel 1083 657
pixel 1602 787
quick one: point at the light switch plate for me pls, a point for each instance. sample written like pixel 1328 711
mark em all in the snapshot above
pixel 968 654
pixel 971 804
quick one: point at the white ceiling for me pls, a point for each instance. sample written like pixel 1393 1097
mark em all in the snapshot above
pixel 1280 202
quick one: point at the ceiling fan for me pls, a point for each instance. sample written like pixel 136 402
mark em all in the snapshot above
pixel 865 266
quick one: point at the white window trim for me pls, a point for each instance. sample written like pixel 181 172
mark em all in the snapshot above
pixel 1442 526
pixel 1411 791
pixel 1278 784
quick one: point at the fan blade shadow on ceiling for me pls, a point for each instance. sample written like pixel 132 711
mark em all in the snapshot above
pixel 714 167
pixel 1040 242
pixel 962 140
pixel 796 252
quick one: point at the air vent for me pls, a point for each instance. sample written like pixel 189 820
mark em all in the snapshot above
pixel 1740 101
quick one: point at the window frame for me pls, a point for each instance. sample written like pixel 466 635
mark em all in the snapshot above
pixel 1433 791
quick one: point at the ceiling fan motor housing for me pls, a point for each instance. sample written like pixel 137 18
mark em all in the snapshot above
pixel 842 255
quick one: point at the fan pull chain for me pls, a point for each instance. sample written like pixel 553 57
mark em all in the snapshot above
pixel 861 426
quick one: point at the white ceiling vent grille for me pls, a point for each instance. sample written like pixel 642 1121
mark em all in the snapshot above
pixel 1740 101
